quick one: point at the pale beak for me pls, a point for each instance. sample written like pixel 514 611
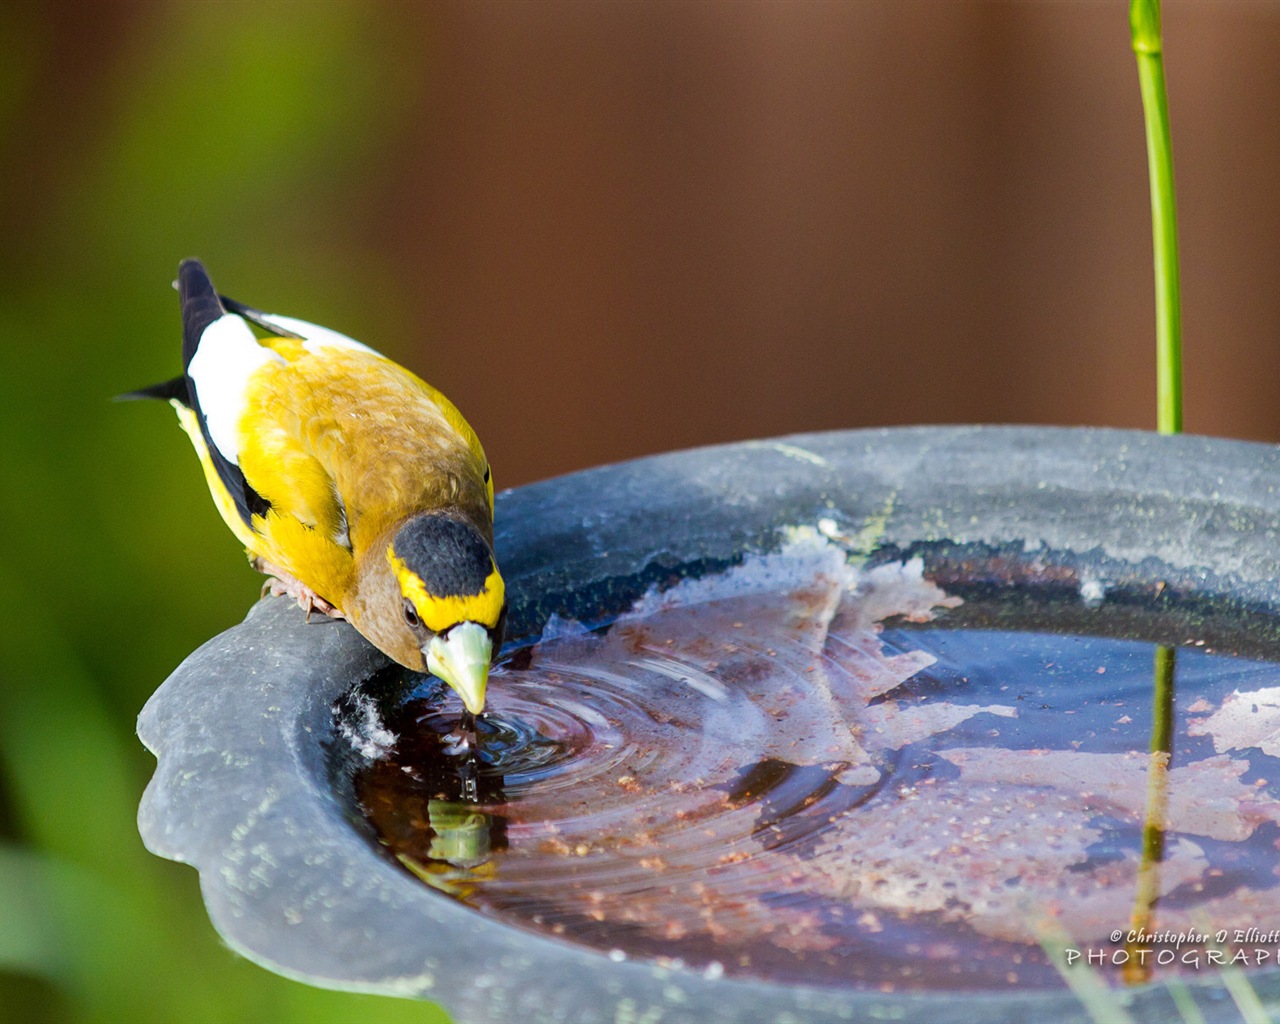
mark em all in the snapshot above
pixel 461 659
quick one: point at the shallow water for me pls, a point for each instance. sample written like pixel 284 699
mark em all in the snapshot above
pixel 798 771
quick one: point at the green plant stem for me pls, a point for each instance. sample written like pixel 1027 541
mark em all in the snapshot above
pixel 1086 984
pixel 1235 981
pixel 1144 24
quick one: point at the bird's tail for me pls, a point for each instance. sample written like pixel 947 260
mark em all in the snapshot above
pixel 166 391
pixel 200 306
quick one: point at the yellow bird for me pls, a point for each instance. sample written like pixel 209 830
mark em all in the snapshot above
pixel 356 486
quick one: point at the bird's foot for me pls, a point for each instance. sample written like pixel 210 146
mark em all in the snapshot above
pixel 282 584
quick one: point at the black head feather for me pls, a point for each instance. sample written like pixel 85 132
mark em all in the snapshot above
pixel 446 553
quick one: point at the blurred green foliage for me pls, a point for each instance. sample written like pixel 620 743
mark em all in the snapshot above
pixel 232 131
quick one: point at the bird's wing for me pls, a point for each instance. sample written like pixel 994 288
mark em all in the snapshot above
pixel 219 355
pixel 273 492
pixel 312 335
pixel 388 445
pixel 295 338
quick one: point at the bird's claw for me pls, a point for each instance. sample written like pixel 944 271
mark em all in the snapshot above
pixel 282 584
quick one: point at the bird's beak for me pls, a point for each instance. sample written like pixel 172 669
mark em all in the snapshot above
pixel 461 659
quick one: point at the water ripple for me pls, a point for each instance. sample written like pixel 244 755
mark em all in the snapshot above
pixel 752 772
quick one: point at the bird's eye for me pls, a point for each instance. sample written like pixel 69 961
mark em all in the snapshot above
pixel 411 614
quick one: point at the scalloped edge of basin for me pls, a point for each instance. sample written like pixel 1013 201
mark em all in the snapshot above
pixel 241 728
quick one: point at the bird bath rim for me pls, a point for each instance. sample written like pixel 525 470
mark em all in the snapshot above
pixel 244 786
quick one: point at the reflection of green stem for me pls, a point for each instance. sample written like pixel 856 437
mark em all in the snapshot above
pixel 1148 893
pixel 1162 714
pixel 1144 26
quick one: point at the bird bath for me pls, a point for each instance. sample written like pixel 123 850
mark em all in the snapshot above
pixel 832 727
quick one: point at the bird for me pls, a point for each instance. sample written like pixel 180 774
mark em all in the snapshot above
pixel 358 488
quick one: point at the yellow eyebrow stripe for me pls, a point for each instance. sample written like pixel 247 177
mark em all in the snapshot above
pixel 439 613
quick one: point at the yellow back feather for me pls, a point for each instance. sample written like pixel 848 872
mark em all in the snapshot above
pixel 344 444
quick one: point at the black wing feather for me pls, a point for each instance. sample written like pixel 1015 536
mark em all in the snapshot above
pixel 256 316
pixel 200 308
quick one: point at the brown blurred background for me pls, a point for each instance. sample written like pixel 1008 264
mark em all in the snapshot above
pixel 604 229
pixel 659 225
pixel 612 228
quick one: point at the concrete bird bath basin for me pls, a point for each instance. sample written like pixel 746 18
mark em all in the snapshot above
pixel 840 743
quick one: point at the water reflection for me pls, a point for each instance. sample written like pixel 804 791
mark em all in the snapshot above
pixel 778 774
pixel 1136 968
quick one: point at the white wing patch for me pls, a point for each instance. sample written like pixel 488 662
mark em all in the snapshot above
pixel 313 335
pixel 227 356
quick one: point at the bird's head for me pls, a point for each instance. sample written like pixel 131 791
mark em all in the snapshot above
pixel 454 600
